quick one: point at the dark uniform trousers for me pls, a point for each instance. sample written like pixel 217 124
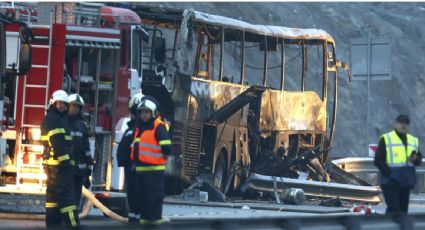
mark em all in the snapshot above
pixel 60 198
pixel 123 159
pixel 396 197
pixel 131 190
pixel 78 181
pixel 150 195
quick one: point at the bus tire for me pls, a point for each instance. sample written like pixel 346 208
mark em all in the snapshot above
pixel 220 172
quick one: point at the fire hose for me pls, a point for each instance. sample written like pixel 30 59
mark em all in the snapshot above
pixel 91 200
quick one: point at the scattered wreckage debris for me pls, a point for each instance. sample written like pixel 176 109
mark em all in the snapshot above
pixel 362 209
pixel 339 183
pixel 332 202
pixel 203 191
pixel 314 188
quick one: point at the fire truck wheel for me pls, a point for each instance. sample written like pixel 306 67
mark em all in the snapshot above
pixel 220 172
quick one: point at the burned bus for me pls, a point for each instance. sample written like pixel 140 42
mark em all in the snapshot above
pixel 241 98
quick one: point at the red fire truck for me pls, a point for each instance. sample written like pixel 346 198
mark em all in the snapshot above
pixel 87 48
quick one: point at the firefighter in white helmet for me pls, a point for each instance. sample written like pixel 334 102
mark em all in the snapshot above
pixel 59 165
pixel 80 143
pixel 123 157
pixel 149 150
pixel 133 103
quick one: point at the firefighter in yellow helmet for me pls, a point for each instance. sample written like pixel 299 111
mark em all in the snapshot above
pixel 149 151
pixel 59 165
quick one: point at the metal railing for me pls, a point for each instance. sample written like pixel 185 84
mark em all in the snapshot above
pixel 365 165
pixel 17 12
pixel 315 188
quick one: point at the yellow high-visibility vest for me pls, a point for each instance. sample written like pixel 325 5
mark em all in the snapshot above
pixel 398 154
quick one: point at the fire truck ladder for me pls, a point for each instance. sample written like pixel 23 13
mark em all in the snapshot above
pixel 33 170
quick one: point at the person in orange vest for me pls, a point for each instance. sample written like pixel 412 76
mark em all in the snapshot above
pixel 149 150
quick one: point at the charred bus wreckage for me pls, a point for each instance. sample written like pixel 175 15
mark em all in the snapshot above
pixel 250 106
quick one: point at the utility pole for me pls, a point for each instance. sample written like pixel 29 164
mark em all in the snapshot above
pixel 381 70
pixel 368 86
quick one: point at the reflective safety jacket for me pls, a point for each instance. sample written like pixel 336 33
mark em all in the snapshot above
pixel 397 153
pixel 150 146
pixel 167 126
pixel 402 170
pixel 80 142
pixel 56 140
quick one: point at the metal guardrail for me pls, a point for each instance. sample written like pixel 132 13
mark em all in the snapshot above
pixel 365 165
pixel 314 188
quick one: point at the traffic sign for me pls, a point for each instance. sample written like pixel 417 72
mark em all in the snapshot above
pixel 372 149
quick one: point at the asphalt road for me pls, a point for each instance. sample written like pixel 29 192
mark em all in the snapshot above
pixel 178 215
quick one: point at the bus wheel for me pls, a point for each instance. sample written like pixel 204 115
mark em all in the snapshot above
pixel 220 173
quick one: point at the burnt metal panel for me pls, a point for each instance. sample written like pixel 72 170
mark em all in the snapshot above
pixel 252 93
pixel 210 96
pixel 284 111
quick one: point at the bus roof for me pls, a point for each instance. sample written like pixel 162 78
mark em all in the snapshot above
pixel 266 30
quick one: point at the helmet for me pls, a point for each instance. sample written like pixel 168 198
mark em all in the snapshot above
pixel 147 104
pixel 150 98
pixel 58 95
pixel 134 101
pixel 75 99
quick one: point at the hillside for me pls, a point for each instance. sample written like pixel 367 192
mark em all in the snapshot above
pixel 399 22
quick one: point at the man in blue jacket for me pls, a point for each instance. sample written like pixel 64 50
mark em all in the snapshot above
pixel 123 158
pixel 396 157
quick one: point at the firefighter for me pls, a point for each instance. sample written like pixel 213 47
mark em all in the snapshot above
pixel 123 158
pixel 397 154
pixel 149 150
pixel 80 143
pixel 59 165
